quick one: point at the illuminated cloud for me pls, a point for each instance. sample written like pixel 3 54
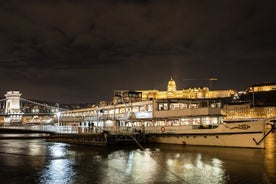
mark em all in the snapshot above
pixel 92 47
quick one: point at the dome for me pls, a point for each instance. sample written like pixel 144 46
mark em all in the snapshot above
pixel 171 85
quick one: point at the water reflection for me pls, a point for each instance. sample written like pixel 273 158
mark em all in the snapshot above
pixel 204 171
pixel 15 149
pixel 60 168
pixel 58 171
pixel 161 165
pixel 270 159
pixel 183 165
pixel 126 166
pixel 37 161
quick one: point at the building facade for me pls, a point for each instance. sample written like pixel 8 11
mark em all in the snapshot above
pixel 190 93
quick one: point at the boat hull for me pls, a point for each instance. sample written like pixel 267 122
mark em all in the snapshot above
pixel 246 134
pixel 225 140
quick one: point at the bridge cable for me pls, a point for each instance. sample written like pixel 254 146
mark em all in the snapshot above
pixel 45 105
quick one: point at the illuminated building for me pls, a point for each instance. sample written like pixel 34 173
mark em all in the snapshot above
pixel 244 111
pixel 258 101
pixel 267 86
pixel 191 93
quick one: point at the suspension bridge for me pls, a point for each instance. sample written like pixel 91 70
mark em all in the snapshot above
pixel 26 118
pixel 15 110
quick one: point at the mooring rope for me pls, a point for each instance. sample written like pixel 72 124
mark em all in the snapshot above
pixel 159 163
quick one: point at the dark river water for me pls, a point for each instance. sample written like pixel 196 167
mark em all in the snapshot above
pixel 37 161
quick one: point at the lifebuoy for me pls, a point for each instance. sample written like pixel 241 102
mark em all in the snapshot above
pixel 162 129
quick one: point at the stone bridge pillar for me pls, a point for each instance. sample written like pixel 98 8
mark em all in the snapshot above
pixel 12 107
pixel 12 102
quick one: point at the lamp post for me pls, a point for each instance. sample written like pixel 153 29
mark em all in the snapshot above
pixel 253 97
pixel 97 115
pixel 58 116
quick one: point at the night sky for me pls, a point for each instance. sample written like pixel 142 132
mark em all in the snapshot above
pixel 79 51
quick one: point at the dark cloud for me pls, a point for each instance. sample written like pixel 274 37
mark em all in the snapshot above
pixel 79 51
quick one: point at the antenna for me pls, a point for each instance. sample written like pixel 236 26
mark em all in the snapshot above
pixel 210 80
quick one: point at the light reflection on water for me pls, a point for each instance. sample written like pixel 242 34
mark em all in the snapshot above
pixel 59 169
pixel 270 159
pixel 190 167
pixel 37 161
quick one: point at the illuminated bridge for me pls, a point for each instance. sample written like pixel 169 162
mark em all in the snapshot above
pixel 15 110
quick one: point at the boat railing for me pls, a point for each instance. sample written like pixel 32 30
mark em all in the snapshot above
pixel 123 130
pixel 141 129
pixel 167 129
pixel 175 129
pixel 114 130
pixel 46 128
pixel 110 130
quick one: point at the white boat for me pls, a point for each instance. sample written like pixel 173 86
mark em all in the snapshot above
pixel 249 134
pixel 179 121
pixel 201 123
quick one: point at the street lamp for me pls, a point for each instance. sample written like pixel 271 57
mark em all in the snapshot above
pixel 58 116
pixel 253 97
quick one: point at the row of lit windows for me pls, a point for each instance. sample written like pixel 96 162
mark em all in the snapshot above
pixel 180 106
pixel 175 106
pixel 122 110
pixel 204 121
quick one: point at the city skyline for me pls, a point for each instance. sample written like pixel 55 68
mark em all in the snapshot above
pixel 79 52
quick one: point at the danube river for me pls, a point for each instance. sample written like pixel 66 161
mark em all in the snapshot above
pixel 37 161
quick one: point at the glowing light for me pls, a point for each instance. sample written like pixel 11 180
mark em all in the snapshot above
pixel 60 169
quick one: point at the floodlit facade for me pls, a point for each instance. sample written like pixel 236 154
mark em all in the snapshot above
pixel 190 93
pixel 244 111
pixel 268 86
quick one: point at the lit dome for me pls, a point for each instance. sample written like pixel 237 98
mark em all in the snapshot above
pixel 171 85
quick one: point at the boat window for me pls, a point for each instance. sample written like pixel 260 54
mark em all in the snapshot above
pixel 183 106
pixel 176 122
pixel 192 106
pixel 166 106
pixel 196 121
pixel 209 121
pixel 143 108
pixel 111 111
pixel 135 109
pixel 185 121
pixel 160 107
pixel 159 123
pixel 149 107
pixel 218 105
pixel 163 106
pixel 122 110
pixel 174 106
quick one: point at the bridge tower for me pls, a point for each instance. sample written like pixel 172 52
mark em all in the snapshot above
pixel 12 108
